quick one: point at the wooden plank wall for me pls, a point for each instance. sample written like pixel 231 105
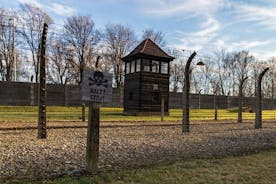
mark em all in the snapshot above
pixel 148 79
pixel 133 83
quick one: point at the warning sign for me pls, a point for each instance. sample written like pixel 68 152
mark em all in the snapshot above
pixel 96 86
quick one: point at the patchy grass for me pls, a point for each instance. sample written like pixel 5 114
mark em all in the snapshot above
pixel 257 168
pixel 57 113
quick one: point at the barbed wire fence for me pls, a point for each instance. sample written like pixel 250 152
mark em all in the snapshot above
pixel 23 53
pixel 66 149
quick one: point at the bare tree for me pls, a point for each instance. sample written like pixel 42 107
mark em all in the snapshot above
pixel 176 70
pixel 119 40
pixel 223 72
pixel 81 37
pixel 176 76
pixel 157 36
pixel 269 80
pixel 201 75
pixel 241 61
pixel 105 61
pixel 58 63
pixel 22 66
pixel 214 78
pixel 252 82
pixel 32 20
pixel 7 44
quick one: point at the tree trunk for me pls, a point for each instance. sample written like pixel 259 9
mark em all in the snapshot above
pixel 240 105
pixel 272 88
pixel 241 99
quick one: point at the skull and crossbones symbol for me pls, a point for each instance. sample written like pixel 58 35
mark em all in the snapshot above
pixel 98 79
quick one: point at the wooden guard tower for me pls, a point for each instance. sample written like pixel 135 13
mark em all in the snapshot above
pixel 146 79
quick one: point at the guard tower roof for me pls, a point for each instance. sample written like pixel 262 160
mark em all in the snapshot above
pixel 148 48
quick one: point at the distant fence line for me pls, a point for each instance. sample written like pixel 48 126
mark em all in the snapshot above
pixel 25 94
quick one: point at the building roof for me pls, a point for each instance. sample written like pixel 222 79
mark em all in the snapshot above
pixel 149 48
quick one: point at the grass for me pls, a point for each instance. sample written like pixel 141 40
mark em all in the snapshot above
pixel 54 113
pixel 256 169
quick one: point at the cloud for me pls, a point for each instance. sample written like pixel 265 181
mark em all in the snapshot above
pixel 264 55
pixel 262 15
pixel 56 8
pixel 62 9
pixel 196 41
pixel 241 45
pixel 209 27
pixel 32 2
pixel 249 44
pixel 184 7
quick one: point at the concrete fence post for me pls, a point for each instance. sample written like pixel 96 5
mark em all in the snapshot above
pixel 258 113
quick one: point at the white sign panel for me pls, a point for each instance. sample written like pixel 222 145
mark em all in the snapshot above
pixel 96 86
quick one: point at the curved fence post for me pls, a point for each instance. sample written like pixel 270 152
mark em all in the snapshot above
pixel 258 112
pixel 186 91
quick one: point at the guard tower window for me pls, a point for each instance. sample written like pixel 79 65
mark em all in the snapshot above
pixel 132 68
pixel 164 67
pixel 127 67
pixel 146 64
pixel 155 66
pixel 138 65
pixel 155 87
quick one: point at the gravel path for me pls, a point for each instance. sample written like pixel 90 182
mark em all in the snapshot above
pixel 63 152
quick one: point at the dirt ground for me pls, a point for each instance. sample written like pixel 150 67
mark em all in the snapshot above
pixel 124 145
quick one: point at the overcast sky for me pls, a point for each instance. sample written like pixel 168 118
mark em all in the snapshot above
pixel 201 25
